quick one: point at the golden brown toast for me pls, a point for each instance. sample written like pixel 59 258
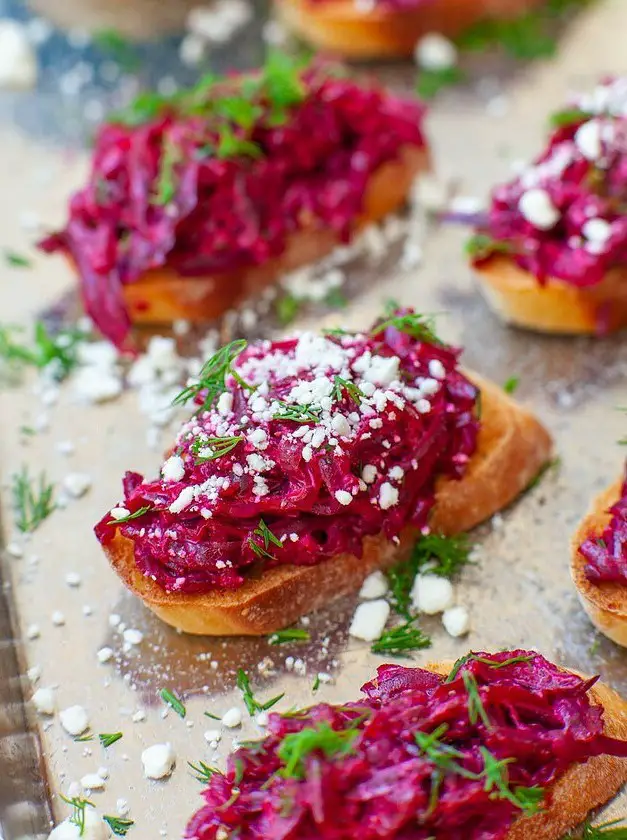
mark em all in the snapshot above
pixel 606 601
pixel 555 307
pixel 162 295
pixel 583 787
pixel 343 27
pixel 512 448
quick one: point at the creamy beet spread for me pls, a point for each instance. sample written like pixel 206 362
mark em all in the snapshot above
pixel 217 179
pixel 565 216
pixel 419 756
pixel 299 449
pixel 606 555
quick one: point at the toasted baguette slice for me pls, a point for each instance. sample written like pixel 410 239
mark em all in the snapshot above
pixel 606 601
pixel 583 787
pixel 555 307
pixel 162 296
pixel 345 28
pixel 512 448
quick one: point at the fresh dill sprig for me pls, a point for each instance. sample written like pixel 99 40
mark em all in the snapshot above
pixel 250 701
pixel 118 825
pixel 57 353
pixel 16 260
pixel 606 831
pixel 296 747
pixel 420 327
pixel 444 756
pixel 294 634
pixel 402 640
pixel 341 386
pixel 107 739
pixel 268 538
pixel 216 447
pixel 476 709
pixel 212 377
pixel 166 179
pixel 492 663
pixel 567 117
pixel 511 384
pixel 316 684
pixel 32 499
pixel 203 772
pixel 431 82
pixel 173 702
pixel 77 817
pixel 135 515
pixel 297 413
pixel 528 799
pixel 81 739
pixel 287 308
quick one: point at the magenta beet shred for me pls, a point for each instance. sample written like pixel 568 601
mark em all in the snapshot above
pixel 217 180
pixel 311 444
pixel 386 5
pixel 583 176
pixel 606 555
pixel 418 756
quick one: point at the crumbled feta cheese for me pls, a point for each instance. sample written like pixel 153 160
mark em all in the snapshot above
pixel 597 230
pixel 369 474
pixel 456 621
pixel 15 550
pixel 74 720
pixel 95 385
pixel 538 209
pixel 34 673
pixel 258 438
pixel 225 404
pixel 369 620
pixel 340 425
pixel 436 369
pixel 139 716
pixel 232 718
pixel 588 139
pixel 133 637
pixel 73 579
pixel 262 719
pixel 383 370
pixel 173 469
pixel 93 828
pixel 158 761
pixel 213 736
pixel 77 484
pixel 58 619
pixel 432 594
pixel 435 52
pixel 104 655
pixel 119 513
pixel 183 500
pixel 192 50
pixel 374 586
pixel 388 495
pixel 343 497
pixel 18 59
pixel 33 632
pixel 44 702
pixel 396 473
pixel 122 807
pixel 92 781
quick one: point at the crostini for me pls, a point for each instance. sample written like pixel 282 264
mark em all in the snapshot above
pixel 599 562
pixel 366 29
pixel 552 254
pixel 503 746
pixel 197 201
pixel 309 463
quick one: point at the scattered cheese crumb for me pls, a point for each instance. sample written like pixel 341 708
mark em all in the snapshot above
pixel 133 637
pixel 119 512
pixel 44 702
pixel 232 718
pixel 94 828
pixel 343 497
pixel 74 720
pixel 58 619
pixel 435 52
pixel 374 586
pixel 77 484
pixel 15 550
pixel 105 654
pixel 173 469
pixel 158 761
pixel 139 716
pixel 92 781
pixel 456 621
pixel 262 719
pixel 538 209
pixel 122 807
pixel 388 495
pixel 369 620
pixel 33 632
pixel 432 594
pixel 588 139
pixel 73 579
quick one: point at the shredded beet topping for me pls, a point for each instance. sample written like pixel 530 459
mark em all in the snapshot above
pixel 607 554
pixel 306 446
pixel 217 179
pixel 387 5
pixel 418 757
pixel 577 228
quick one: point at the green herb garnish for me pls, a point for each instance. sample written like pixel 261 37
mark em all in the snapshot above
pixel 250 701
pixel 511 384
pixel 213 717
pixel 528 799
pixel 107 739
pixel 77 817
pixel 16 260
pixel 524 37
pixel 480 246
pixel 173 701
pixel 414 324
pixel 431 82
pixel 80 739
pixel 607 831
pixel 230 145
pixel 118 825
pixel 120 48
pixel 353 391
pixel 294 634
pixel 216 446
pixel 265 534
pixel 287 308
pixel 492 663
pixel 566 117
pixel 444 756
pixel 296 747
pixel 476 709
pixel 316 684
pixel 336 299
pixel 32 500
pixel 204 772
pixel 135 515
pixel 297 413
pixel 166 179
pixel 58 353
pixel 402 640
pixel 212 377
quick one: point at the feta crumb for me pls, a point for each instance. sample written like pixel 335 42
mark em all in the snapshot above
pixel 94 384
pixel 34 673
pixel 93 828
pixel 73 579
pixel 15 550
pixel 456 621
pixel 340 425
pixel 258 438
pixel 588 139
pixel 262 719
pixel 225 403
pixel 114 620
pixel 369 620
pixel 212 736
pixel 119 513
pixel 183 500
pixel 18 59
pixel 133 637
pixel 122 807
pixel 432 594
pixel 92 781
pixel 74 720
pixel 343 497
pixel 369 473
pixel 597 230
pixel 437 369
pixel 538 209
pixel 77 484
pixel 58 619
pixel 396 473
pixel 44 702
pixel 435 52
pixel 173 469
pixel 158 761
pixel 232 718
pixel 374 586
pixel 139 716
pixel 33 632
pixel 104 655
pixel 388 495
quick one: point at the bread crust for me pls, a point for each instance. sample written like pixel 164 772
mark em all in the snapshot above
pixel 555 307
pixel 342 27
pixel 605 601
pixel 161 295
pixel 583 787
pixel 512 448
